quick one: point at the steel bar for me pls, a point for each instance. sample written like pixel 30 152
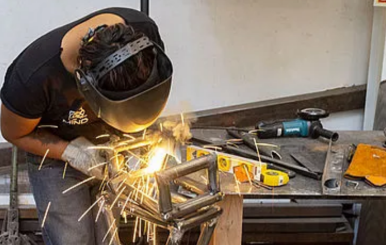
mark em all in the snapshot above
pixel 145 7
pixel 109 219
pixel 195 204
pixel 145 215
pixel 131 145
pixel 211 213
pixel 206 232
pixel 191 185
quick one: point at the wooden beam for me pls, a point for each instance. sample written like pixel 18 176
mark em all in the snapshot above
pixel 246 115
pixel 229 227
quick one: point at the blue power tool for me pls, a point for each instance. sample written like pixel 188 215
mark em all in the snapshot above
pixel 306 125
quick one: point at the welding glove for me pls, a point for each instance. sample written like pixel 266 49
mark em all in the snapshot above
pixel 81 155
pixel 175 135
pixel 181 131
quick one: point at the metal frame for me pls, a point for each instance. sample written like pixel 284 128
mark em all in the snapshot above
pixel 174 212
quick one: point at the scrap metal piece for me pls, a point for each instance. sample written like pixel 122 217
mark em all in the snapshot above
pixel 303 160
pixel 10 231
pixel 333 170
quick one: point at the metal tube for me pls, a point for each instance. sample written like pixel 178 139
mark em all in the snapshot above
pixel 132 145
pixel 145 215
pixel 177 198
pixel 195 204
pixel 145 7
pixel 207 232
pixel 186 168
pixel 191 185
pixel 212 213
pixel 164 197
pixel 14 169
pixel 213 177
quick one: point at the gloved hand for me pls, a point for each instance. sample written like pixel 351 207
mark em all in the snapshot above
pixel 81 157
pixel 181 131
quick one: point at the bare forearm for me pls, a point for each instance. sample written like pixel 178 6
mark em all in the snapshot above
pixel 39 141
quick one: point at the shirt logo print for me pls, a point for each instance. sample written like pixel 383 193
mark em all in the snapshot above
pixel 78 117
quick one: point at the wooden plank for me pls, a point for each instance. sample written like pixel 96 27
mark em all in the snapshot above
pixel 334 100
pixel 229 227
pixel 292 210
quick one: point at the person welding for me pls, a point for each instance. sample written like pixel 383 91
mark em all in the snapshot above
pixel 104 73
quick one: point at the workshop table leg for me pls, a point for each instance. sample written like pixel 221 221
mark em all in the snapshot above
pixel 229 227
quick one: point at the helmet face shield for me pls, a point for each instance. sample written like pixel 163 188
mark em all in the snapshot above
pixel 129 111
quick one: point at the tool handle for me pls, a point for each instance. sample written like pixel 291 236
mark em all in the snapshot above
pixel 317 130
pixel 271 130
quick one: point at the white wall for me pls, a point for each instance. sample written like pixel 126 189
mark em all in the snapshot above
pixel 228 52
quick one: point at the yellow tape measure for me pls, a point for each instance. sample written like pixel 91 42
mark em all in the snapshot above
pixel 244 169
pixel 274 178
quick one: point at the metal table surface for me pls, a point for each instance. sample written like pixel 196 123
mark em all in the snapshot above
pixel 302 186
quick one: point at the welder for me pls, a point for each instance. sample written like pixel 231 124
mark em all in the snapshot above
pixel 105 73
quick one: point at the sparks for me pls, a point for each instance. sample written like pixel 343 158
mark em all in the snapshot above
pixel 103 181
pixel 154 234
pixel 205 179
pixel 80 183
pixel 124 205
pixel 182 119
pixel 237 185
pixel 44 158
pixel 112 237
pixel 47 126
pixel 85 212
pixel 161 127
pixel 100 147
pixel 108 231
pixel 125 216
pixel 247 173
pixel 116 199
pixel 140 228
pixel 129 136
pixel 100 210
pixel 98 165
pixel 144 134
pixel 65 169
pixel 257 150
pixel 45 214
pixel 135 230
pixel 102 136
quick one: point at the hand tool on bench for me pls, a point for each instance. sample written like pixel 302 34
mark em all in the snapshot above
pixel 241 152
pixel 306 125
pixel 223 144
pixel 247 139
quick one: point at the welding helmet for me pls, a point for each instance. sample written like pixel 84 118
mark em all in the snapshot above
pixel 134 110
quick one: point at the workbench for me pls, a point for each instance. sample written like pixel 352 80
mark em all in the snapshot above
pixel 229 230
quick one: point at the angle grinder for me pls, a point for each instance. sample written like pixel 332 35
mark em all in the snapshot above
pixel 306 125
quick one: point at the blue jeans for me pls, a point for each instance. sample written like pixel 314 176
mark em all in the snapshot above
pixel 61 226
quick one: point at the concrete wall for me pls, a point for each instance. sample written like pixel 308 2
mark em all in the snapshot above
pixel 228 52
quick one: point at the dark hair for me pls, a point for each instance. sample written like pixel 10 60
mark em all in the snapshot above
pixel 128 75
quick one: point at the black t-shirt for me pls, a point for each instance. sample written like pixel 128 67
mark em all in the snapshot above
pixel 37 85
